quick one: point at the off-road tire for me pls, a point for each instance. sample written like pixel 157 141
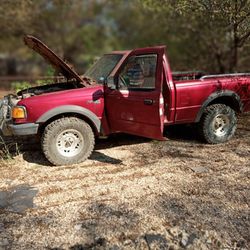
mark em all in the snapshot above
pixel 55 129
pixel 209 123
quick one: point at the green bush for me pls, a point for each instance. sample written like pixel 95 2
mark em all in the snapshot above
pixel 21 85
pixel 18 86
pixel 43 82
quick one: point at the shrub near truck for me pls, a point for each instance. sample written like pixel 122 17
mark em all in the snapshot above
pixel 133 92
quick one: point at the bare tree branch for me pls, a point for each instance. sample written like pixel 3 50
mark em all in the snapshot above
pixel 243 39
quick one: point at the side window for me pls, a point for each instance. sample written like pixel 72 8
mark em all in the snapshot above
pixel 138 73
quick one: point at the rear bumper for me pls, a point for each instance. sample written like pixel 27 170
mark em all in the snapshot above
pixel 24 129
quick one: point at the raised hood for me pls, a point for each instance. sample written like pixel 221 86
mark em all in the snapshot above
pixel 58 64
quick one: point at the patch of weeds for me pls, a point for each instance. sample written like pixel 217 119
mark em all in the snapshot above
pixel 18 86
pixel 7 151
pixel 156 142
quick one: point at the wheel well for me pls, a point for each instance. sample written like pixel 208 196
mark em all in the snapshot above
pixel 227 100
pixel 42 126
pixel 230 101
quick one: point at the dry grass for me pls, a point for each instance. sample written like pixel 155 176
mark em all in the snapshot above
pixel 133 193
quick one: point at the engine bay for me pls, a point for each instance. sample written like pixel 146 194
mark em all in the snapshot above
pixel 48 88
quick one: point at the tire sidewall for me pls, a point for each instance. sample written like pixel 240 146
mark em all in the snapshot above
pixel 55 156
pixel 209 133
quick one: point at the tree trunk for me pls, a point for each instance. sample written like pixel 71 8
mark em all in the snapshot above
pixel 234 49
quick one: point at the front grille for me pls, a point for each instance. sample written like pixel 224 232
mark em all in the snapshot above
pixel 5 109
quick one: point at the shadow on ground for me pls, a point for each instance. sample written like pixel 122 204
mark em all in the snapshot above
pixel 37 157
pixel 31 148
pixel 183 132
pixel 18 199
pixel 98 156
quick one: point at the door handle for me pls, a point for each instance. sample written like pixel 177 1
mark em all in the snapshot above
pixel 148 101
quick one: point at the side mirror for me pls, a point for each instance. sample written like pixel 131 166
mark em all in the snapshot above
pixel 102 80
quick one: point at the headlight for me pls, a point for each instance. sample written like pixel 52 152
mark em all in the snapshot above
pixel 19 112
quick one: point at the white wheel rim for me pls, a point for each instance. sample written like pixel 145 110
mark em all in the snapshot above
pixel 221 125
pixel 69 142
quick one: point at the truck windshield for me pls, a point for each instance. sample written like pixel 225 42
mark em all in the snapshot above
pixel 103 67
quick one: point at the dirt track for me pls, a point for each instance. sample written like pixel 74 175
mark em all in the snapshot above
pixel 133 193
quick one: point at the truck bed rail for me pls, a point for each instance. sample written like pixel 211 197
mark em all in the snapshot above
pixel 225 75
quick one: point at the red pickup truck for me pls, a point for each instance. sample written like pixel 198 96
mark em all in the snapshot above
pixel 124 91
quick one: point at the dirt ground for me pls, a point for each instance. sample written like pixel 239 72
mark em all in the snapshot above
pixel 133 193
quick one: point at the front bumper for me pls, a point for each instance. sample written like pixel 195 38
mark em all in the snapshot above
pixel 24 129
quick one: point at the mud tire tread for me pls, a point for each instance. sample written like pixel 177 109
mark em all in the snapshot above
pixel 204 125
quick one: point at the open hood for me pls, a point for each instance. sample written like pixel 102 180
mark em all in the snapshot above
pixel 57 63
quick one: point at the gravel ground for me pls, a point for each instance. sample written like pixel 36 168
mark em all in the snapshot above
pixel 133 193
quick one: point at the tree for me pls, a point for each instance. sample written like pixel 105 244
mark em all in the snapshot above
pixel 73 28
pixel 219 29
pixel 210 35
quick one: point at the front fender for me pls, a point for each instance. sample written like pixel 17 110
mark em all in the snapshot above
pixel 71 109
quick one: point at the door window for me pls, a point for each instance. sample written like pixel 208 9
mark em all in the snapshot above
pixel 138 73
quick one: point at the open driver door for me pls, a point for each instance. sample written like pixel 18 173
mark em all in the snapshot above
pixel 136 105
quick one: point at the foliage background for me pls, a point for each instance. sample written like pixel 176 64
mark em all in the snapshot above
pixel 208 35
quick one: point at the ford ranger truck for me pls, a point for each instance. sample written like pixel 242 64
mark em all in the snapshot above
pixel 132 92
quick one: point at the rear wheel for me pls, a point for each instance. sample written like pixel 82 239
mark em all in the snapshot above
pixel 67 141
pixel 218 123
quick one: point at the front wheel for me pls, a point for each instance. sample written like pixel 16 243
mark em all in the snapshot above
pixel 218 123
pixel 67 141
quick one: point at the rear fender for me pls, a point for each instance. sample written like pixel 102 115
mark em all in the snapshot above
pixel 236 101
